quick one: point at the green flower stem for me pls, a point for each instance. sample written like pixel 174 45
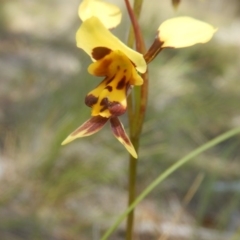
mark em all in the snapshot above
pixel 131 194
pixel 169 171
pixel 137 102
pixel 141 103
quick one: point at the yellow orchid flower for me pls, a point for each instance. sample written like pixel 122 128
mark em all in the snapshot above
pixel 119 65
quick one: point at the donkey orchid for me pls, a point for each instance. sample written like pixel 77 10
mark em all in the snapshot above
pixel 120 65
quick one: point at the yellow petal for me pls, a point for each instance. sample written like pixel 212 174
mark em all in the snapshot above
pixel 182 32
pixel 109 97
pixel 102 67
pixel 121 135
pixel 112 62
pixel 136 78
pixel 109 14
pixel 92 34
pixel 88 128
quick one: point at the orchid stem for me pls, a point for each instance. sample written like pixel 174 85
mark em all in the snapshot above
pixel 131 193
pixel 136 110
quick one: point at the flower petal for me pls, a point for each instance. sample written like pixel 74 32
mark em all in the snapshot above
pixel 92 34
pixel 88 128
pixel 109 98
pixel 111 62
pixel 136 79
pixel 109 14
pixel 120 134
pixel 182 32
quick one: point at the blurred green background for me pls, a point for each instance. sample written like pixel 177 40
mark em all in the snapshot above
pixel 76 192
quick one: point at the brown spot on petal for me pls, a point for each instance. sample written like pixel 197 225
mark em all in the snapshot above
pixel 116 109
pixel 100 52
pixel 90 100
pixel 103 109
pixel 121 83
pixel 109 88
pixel 104 102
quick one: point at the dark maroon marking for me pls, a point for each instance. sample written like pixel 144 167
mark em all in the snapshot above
pixel 100 52
pixel 97 123
pixel 91 125
pixel 118 67
pixel 104 103
pixel 125 70
pixel 110 79
pixel 103 108
pixel 118 130
pixel 109 88
pixel 153 51
pixel 121 83
pixel 116 109
pixel 90 100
